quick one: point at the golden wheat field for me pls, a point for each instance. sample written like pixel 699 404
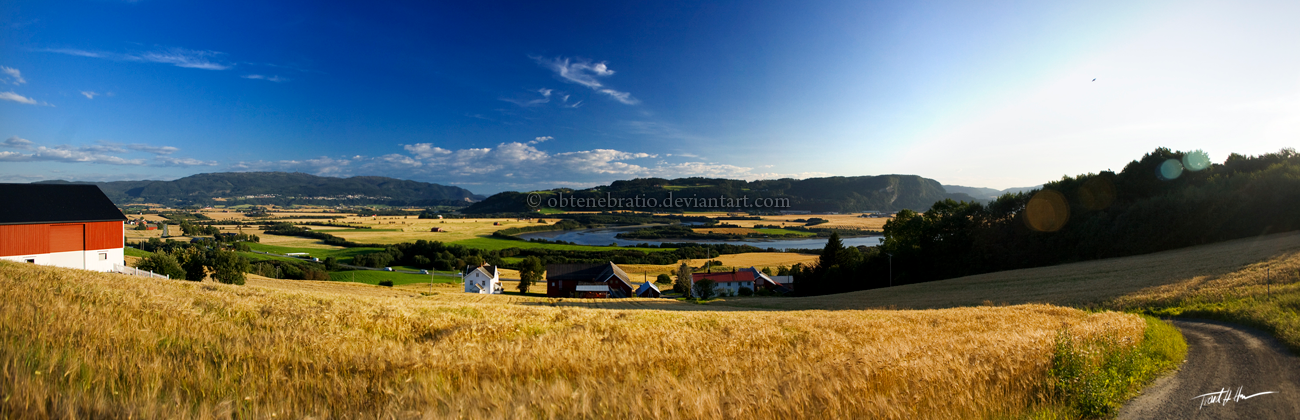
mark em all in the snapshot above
pixel 76 344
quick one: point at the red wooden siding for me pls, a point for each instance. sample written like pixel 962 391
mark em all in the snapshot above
pixel 45 238
pixel 104 235
pixel 67 238
pixel 24 240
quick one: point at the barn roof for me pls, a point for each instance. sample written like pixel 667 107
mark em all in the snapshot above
pixel 55 203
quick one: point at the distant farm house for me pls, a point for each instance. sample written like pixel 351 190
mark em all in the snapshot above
pixel 648 290
pixel 483 279
pixel 587 281
pixel 73 226
pixel 729 283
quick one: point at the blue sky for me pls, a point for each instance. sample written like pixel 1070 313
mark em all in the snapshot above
pixel 525 95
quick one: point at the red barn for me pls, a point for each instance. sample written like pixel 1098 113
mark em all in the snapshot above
pixel 63 225
pixel 587 280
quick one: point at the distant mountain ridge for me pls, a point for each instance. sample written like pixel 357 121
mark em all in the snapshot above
pixel 282 188
pixel 986 194
pixel 829 194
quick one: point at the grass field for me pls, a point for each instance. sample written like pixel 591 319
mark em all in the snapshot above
pixel 374 277
pixel 79 344
pixel 495 243
pixel 344 255
pixel 770 231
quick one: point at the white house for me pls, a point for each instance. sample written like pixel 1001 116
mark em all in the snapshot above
pixel 483 279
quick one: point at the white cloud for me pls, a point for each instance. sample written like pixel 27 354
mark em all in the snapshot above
pixel 11 96
pixel 13 75
pixel 89 94
pixel 276 79
pixel 586 73
pixel 102 152
pixel 541 139
pixel 425 150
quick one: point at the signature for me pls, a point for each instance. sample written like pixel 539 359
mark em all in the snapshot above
pixel 1224 396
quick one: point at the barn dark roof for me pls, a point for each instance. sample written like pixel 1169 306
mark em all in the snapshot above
pixel 55 203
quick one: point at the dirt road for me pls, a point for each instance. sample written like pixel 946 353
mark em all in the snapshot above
pixel 1231 372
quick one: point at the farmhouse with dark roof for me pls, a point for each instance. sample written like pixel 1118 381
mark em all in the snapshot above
pixel 63 225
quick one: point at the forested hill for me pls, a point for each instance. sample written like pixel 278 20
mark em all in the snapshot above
pixel 281 188
pixel 833 194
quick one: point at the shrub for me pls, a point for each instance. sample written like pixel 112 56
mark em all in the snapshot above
pixel 386 283
pixel 664 279
pixel 704 289
pixel 163 263
pixel 745 291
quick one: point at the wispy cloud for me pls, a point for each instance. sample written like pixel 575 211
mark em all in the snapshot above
pixel 14 97
pixel 16 142
pixel 157 150
pixel 89 94
pixel 179 57
pixel 276 79
pixel 12 75
pixel 541 139
pixel 103 152
pixel 586 73
pixel 171 161
pixel 546 97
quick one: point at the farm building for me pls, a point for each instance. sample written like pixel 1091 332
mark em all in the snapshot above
pixel 63 225
pixel 648 290
pixel 587 280
pixel 730 283
pixel 483 279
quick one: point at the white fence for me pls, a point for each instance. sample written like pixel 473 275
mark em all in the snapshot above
pixel 119 268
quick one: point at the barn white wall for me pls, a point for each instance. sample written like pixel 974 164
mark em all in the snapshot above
pixel 87 260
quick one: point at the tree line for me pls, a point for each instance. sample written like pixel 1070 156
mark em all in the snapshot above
pixel 1165 200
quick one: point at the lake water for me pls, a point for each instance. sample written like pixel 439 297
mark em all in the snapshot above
pixel 605 236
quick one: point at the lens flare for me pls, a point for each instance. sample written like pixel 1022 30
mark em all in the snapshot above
pixel 1196 160
pixel 1047 211
pixel 1170 170
pixel 1097 193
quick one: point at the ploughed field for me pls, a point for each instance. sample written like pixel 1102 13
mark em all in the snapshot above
pixel 80 344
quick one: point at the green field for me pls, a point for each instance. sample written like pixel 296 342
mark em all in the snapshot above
pixel 343 255
pixel 496 244
pixel 769 231
pixel 374 277
pixel 136 252
pixel 254 257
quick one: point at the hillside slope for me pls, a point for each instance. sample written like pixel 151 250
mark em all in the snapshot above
pixel 1114 283
pixel 830 194
pixel 282 188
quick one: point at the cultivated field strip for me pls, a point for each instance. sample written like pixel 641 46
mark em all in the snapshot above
pixel 77 344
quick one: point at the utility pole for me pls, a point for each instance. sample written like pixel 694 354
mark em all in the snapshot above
pixel 891 269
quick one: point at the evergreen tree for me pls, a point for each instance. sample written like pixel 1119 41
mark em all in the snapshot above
pixel 684 281
pixel 530 271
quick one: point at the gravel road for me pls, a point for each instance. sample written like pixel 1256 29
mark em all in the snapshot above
pixel 1231 372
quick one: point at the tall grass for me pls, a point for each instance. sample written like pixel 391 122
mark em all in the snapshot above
pixel 77 344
